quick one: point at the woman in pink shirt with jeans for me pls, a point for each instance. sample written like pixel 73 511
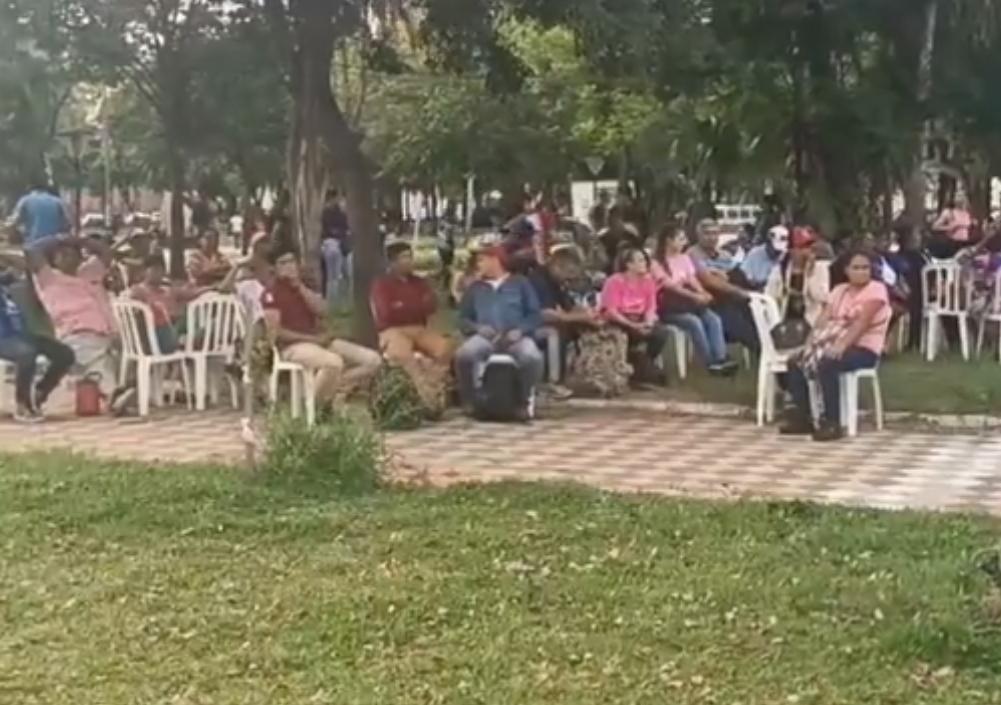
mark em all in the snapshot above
pixel 629 301
pixel 685 303
pixel 854 325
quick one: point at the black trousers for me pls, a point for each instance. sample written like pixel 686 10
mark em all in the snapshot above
pixel 24 351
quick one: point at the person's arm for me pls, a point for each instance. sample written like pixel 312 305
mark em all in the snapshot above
pixel 317 304
pixel 650 310
pixel 718 283
pixel 381 305
pixel 467 312
pixel 99 249
pixel 278 334
pixel 857 329
pixel 531 310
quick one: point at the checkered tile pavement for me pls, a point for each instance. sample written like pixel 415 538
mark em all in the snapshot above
pixel 619 451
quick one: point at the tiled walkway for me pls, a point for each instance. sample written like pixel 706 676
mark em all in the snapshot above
pixel 624 451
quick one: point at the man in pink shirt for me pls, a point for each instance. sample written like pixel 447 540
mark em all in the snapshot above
pixel 72 291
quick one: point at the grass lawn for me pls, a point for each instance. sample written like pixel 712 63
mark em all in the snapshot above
pixel 130 585
pixel 910 384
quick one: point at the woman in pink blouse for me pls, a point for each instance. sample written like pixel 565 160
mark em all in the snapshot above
pixel 629 301
pixel 685 303
pixel 854 324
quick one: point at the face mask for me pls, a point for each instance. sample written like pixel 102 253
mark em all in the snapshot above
pixel 779 238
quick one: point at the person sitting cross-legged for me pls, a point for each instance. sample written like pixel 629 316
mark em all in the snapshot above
pixel 403 303
pixel 500 314
pixel 294 314
pixel 849 336
pixel 21 348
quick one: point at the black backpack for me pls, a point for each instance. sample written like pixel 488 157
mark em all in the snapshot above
pixel 499 396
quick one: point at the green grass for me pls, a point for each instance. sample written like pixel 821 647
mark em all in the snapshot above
pixel 172 585
pixel 910 384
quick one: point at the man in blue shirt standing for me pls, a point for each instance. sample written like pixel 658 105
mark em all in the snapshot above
pixel 41 216
pixel 500 313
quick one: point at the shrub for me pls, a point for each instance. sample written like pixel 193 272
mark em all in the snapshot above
pixel 341 455
pixel 394 402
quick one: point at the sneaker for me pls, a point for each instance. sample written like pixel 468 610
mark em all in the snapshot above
pixel 557 392
pixel 120 400
pixel 27 416
pixel 796 425
pixel 828 432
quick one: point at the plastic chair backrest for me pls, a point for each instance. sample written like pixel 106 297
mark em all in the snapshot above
pixel 943 290
pixel 766 315
pixel 214 325
pixel 135 323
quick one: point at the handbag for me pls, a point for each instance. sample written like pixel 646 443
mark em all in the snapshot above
pixel 820 341
pixel 671 302
pixel 791 334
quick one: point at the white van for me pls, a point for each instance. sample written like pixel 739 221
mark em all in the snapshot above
pixel 733 218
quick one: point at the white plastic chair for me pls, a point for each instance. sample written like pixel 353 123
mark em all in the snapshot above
pixel 850 382
pixel 551 336
pixel 992 315
pixel 946 295
pixel 141 348
pixel 773 362
pixel 302 386
pixel 214 330
pixel 679 343
pixel 7 370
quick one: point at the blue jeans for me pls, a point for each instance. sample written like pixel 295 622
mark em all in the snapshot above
pixel 23 351
pixel 705 329
pixel 477 350
pixel 336 267
pixel 829 376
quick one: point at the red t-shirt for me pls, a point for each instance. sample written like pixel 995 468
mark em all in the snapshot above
pixel 296 315
pixel 400 302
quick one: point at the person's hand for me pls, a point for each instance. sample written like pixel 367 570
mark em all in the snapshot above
pixel 486 332
pixel 513 336
pixel 704 298
pixel 837 351
pixel 644 328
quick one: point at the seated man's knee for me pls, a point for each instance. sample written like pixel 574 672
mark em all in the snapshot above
pixel 472 350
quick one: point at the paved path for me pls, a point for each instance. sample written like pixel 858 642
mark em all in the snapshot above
pixel 624 451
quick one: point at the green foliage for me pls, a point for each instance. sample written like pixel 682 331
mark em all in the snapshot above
pixel 341 455
pixel 394 402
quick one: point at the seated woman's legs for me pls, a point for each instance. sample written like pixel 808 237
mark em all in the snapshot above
pixel 713 326
pixel 692 326
pixel 829 373
pixel 61 359
pixel 20 351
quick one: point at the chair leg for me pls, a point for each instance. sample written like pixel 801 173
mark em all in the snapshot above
pixel 931 333
pixel 201 374
pixel 964 336
pixel 849 403
pixel 553 349
pixel 273 386
pixel 309 396
pixel 877 403
pixel 186 383
pixel 981 334
pixel 763 389
pixel 295 382
pixel 144 381
pixel 681 352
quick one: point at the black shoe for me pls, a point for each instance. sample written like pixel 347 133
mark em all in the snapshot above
pixel 797 425
pixel 828 432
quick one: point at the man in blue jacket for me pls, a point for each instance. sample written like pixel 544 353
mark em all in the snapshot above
pixel 499 313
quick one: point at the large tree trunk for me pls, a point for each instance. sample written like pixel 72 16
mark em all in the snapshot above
pixel 177 268
pixel 917 185
pixel 315 34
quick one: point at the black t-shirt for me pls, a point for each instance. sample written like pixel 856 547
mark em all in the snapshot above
pixel 551 295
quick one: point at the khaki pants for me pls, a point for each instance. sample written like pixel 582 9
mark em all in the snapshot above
pixel 340 368
pixel 400 344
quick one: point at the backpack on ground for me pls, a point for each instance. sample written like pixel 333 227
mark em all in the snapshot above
pixel 499 396
pixel 597 364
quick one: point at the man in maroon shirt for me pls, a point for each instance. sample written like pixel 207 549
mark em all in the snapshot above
pixel 294 314
pixel 402 304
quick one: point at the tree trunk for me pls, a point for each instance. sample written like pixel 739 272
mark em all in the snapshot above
pixel 177 269
pixel 315 34
pixel 917 186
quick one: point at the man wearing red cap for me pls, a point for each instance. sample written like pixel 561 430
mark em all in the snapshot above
pixel 500 313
